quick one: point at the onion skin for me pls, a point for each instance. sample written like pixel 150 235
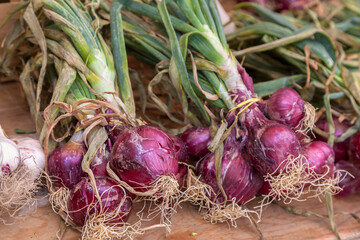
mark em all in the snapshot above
pixel 269 143
pixel 9 155
pixel 141 154
pixel 64 163
pixel 349 184
pixel 248 81
pixel 340 148
pixel 320 156
pixel 354 150
pixel 32 154
pixel 197 140
pixel 181 156
pixel 99 162
pixel 238 179
pixel 82 196
pixel 286 106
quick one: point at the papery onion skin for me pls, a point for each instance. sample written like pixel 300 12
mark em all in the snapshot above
pixel 354 150
pixel 142 154
pixel 9 155
pixel 238 179
pixel 197 140
pixel 320 156
pixel 83 195
pixel 99 162
pixel 269 143
pixel 64 163
pixel 286 106
pixel 181 156
pixel 349 184
pixel 340 148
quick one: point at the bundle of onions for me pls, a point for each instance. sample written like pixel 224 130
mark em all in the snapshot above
pixel 22 161
pixel 91 92
pixel 239 183
pixel 217 77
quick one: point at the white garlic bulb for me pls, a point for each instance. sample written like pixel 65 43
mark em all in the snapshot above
pixel 32 154
pixel 9 154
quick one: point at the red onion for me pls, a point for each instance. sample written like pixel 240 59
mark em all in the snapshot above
pixel 286 106
pixel 349 184
pixel 340 148
pixel 354 150
pixel 320 156
pixel 64 163
pixel 82 199
pixel 197 140
pixel 269 144
pixel 238 179
pixel 181 156
pixel 141 154
pixel 99 162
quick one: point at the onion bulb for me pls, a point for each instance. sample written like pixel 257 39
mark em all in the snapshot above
pixel 9 154
pixel 64 163
pixel 83 203
pixel 32 154
pixel 286 106
pixel 197 140
pixel 320 156
pixel 340 148
pixel 238 178
pixel 350 184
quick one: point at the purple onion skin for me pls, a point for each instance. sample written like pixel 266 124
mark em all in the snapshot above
pixel 349 184
pixel 114 131
pixel 64 163
pixel 340 148
pixel 269 143
pixel 320 156
pixel 181 156
pixel 99 162
pixel 238 178
pixel 82 196
pixel 354 150
pixel 248 81
pixel 285 106
pixel 197 140
pixel 141 154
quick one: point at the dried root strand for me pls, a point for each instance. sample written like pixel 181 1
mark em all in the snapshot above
pixel 17 191
pixel 97 227
pixel 296 179
pixel 198 194
pixel 103 225
pixel 308 121
pixel 230 213
pixel 164 193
